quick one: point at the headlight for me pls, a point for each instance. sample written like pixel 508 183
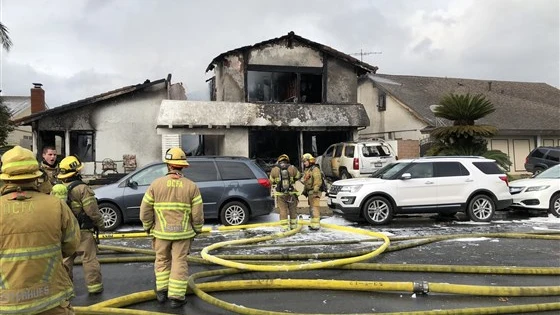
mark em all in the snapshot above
pixel 351 188
pixel 537 188
pixel 515 190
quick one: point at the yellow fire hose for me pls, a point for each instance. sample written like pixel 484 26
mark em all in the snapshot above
pixel 246 263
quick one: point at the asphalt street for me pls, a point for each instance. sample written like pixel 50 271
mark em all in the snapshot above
pixel 470 249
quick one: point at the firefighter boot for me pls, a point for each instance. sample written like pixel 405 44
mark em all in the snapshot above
pixel 285 225
pixel 315 225
pixel 176 303
pixel 161 296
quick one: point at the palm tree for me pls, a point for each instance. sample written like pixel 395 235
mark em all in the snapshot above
pixel 465 137
pixel 5 38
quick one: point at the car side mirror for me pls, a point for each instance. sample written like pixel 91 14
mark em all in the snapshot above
pixel 406 176
pixel 132 184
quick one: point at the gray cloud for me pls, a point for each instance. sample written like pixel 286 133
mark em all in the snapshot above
pixel 81 48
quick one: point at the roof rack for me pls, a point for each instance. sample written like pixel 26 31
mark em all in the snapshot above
pixel 452 156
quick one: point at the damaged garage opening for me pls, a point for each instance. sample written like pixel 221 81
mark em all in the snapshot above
pixel 267 145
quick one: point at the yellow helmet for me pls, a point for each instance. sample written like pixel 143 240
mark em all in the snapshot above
pixel 18 164
pixel 283 157
pixel 68 167
pixel 176 156
pixel 308 157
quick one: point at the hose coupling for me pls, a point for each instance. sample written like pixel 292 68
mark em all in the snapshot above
pixel 421 287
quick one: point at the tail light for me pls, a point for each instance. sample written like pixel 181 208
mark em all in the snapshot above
pixel 356 164
pixel 505 179
pixel 264 182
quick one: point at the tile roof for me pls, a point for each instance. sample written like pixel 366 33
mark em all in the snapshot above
pixel 364 67
pixel 520 106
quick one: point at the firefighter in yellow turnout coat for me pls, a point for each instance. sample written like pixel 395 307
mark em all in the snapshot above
pixel 284 175
pixel 84 206
pixel 36 232
pixel 312 180
pixel 171 211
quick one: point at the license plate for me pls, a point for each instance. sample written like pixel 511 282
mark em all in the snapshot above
pixel 377 164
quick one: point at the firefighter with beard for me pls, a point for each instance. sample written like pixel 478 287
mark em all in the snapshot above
pixel 284 175
pixel 171 212
pixel 84 206
pixel 312 181
pixel 36 232
pixel 49 168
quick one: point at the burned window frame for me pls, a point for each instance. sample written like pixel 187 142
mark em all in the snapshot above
pixel 298 72
pixel 382 102
pixel 75 136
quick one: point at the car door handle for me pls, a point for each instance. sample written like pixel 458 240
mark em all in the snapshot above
pixel 468 180
pixel 429 182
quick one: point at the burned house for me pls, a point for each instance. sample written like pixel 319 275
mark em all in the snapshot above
pixel 101 130
pixel 285 95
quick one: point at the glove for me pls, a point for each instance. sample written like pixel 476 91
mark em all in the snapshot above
pixel 304 193
pixel 148 231
pixel 197 231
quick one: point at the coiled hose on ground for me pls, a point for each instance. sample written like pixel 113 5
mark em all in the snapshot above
pixel 353 260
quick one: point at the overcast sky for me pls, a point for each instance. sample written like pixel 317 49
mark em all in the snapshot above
pixel 80 48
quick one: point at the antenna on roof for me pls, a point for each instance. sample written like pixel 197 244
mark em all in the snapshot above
pixel 365 53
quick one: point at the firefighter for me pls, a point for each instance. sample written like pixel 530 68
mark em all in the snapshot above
pixel 171 212
pixel 84 206
pixel 36 232
pixel 312 181
pixel 48 167
pixel 284 175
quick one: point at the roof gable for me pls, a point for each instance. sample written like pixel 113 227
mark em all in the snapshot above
pixel 364 67
pixel 92 100
pixel 519 105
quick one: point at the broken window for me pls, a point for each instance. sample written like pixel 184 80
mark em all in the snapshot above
pixel 81 145
pixel 284 85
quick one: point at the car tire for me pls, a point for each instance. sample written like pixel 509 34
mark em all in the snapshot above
pixel 344 174
pixel 481 208
pixel 378 210
pixel 555 205
pixel 112 216
pixel 234 213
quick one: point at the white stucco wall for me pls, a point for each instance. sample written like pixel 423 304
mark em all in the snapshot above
pixel 128 127
pixel 280 55
pixel 397 119
pixel 21 135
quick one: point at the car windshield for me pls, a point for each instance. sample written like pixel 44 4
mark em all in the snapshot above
pixel 553 172
pixel 389 170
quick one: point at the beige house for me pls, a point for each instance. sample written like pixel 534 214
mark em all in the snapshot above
pixel 19 106
pixel 527 114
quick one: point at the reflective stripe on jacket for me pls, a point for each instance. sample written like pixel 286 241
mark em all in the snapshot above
pixel 36 232
pixel 312 179
pixel 83 198
pixel 172 208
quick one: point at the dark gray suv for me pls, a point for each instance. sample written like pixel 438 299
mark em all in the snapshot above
pixel 542 158
pixel 233 189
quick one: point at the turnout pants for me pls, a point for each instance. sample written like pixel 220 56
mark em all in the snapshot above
pixel 287 204
pixel 92 270
pixel 171 266
pixel 313 199
pixel 63 309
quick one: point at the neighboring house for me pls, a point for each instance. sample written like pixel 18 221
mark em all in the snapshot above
pixel 19 106
pixel 527 114
pixel 284 95
pixel 105 126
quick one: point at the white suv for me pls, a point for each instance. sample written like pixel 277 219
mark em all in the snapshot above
pixel 355 159
pixel 445 185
